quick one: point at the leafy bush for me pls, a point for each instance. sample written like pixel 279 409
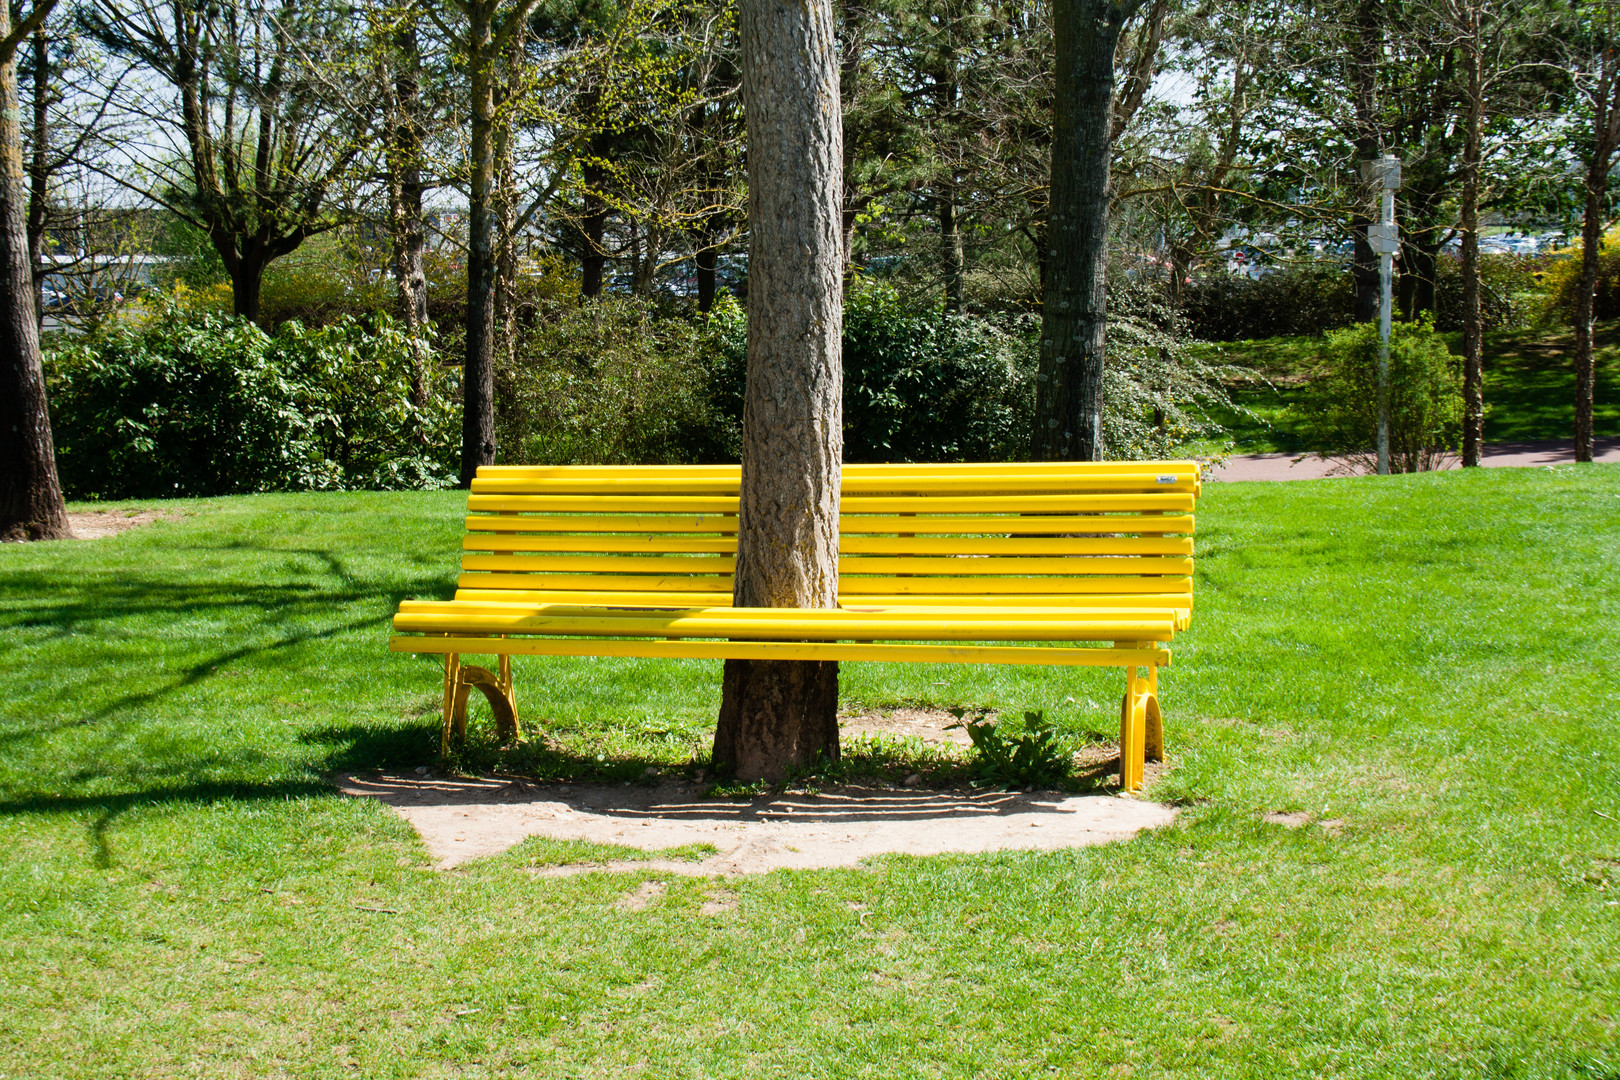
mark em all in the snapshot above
pixel 1303 300
pixel 612 381
pixel 1512 292
pixel 926 386
pixel 1158 393
pixel 360 380
pixel 321 282
pixel 1563 276
pixel 1425 406
pixel 210 405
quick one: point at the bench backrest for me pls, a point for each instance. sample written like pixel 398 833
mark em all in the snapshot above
pixel 1036 534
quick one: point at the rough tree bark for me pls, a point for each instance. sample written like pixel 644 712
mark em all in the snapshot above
pixel 39 168
pixel 1069 382
pixel 777 714
pixel 31 505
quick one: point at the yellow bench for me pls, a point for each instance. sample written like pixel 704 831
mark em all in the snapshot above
pixel 1043 563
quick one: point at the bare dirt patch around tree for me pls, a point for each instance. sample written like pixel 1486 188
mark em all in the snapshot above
pixel 462 819
pixel 95 524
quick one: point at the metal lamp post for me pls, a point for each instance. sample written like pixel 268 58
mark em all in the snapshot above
pixel 1384 239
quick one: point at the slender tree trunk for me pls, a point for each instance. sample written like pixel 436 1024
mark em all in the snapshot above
pixel 778 714
pixel 593 262
pixel 1597 185
pixel 478 371
pixel 950 250
pixel 404 163
pixel 1069 383
pixel 852 46
pixel 707 259
pixel 31 505
pixel 1473 327
pixel 1366 54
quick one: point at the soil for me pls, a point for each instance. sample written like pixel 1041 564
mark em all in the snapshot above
pixel 463 819
pixel 460 818
pixel 95 524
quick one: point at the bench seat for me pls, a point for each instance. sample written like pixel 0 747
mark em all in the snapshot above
pixel 1067 564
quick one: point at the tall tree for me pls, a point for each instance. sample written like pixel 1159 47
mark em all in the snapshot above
pixel 1596 67
pixel 249 149
pixel 484 39
pixel 1069 382
pixel 775 714
pixel 31 506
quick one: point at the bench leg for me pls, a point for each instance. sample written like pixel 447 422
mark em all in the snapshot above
pixel 459 680
pixel 1141 728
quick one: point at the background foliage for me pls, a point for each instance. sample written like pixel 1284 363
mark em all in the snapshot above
pixel 208 404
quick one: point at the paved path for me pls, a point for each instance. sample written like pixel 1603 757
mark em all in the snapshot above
pixel 1497 455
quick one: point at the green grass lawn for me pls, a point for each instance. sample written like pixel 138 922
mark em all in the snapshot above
pixel 1430 660
pixel 1529 388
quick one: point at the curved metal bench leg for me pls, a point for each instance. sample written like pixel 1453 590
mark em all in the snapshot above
pixel 460 679
pixel 1141 726
pixel 452 683
pixel 1153 735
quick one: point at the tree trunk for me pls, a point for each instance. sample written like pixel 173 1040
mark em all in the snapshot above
pixel 779 714
pixel 478 371
pixel 707 259
pixel 39 167
pixel 593 262
pixel 1366 53
pixel 247 279
pixel 952 258
pixel 1473 328
pixel 404 163
pixel 1069 383
pixel 31 505
pixel 1597 185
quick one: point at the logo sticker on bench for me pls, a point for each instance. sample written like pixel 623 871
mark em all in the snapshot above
pixel 1167 479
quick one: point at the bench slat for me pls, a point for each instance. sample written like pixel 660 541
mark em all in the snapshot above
pixel 980 566
pixel 1180 502
pixel 659 543
pixel 988 525
pixel 785 650
pixel 847 586
pixel 1179 600
pixel 856 484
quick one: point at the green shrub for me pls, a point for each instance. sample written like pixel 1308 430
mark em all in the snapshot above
pixel 1562 277
pixel 612 381
pixel 1158 392
pixel 1340 406
pixel 357 380
pixel 1302 300
pixel 209 404
pixel 1512 293
pixel 920 386
pixel 926 386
